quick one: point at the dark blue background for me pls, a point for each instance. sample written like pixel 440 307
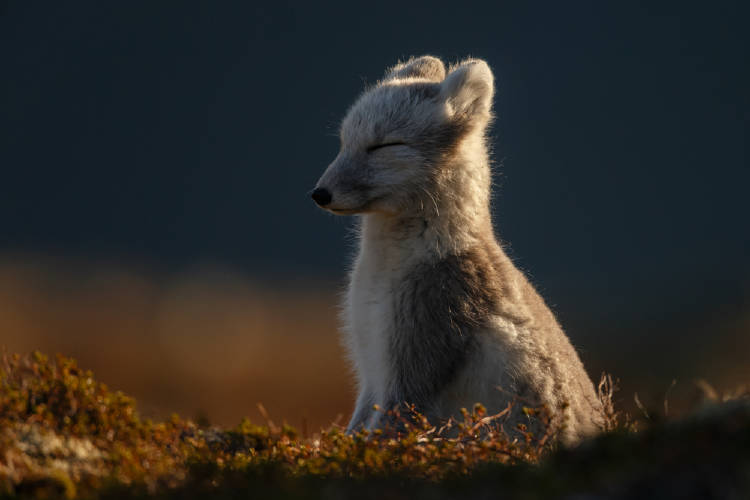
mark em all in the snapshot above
pixel 177 132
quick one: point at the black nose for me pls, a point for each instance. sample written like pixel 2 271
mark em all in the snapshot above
pixel 322 196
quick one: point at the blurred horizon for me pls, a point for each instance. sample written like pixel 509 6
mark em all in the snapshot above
pixel 156 160
pixel 210 343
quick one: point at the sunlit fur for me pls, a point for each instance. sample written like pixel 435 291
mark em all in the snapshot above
pixel 436 314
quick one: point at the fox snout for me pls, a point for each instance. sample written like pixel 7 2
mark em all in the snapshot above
pixel 339 189
pixel 321 196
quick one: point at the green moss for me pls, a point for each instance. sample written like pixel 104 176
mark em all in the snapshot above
pixel 65 435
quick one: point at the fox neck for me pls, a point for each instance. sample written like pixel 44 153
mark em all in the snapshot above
pixel 449 220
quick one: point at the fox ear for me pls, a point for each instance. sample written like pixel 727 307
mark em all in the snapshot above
pixel 468 89
pixel 428 67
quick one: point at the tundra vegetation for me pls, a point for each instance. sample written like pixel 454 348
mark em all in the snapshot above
pixel 63 434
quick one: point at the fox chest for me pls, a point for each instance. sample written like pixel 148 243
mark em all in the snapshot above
pixel 372 326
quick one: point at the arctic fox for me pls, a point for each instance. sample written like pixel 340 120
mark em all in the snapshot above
pixel 436 314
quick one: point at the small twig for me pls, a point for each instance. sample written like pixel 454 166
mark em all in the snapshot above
pixel 487 420
pixel 640 406
pixel 269 422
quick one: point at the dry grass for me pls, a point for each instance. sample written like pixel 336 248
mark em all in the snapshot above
pixel 64 431
pixel 66 435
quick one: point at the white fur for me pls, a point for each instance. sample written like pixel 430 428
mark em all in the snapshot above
pixel 369 308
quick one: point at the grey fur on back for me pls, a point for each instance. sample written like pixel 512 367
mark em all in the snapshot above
pixel 436 314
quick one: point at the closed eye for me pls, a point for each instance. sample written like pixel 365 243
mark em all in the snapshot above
pixel 384 145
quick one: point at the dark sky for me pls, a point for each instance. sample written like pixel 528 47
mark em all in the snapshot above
pixel 183 132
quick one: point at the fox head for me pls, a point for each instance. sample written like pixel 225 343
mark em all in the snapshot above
pixel 399 138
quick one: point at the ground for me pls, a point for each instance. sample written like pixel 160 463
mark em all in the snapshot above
pixel 66 435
